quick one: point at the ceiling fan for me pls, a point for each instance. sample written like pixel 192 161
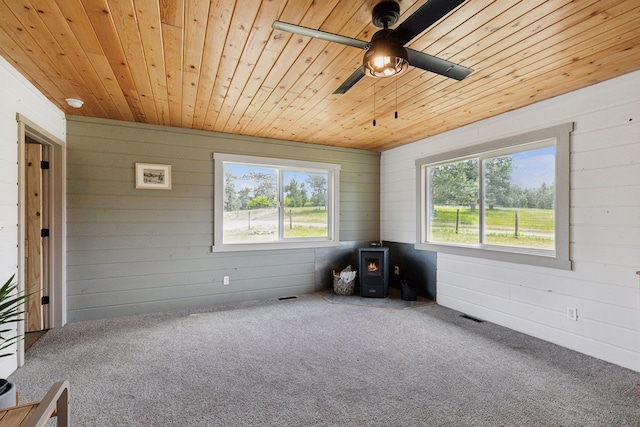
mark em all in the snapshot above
pixel 385 55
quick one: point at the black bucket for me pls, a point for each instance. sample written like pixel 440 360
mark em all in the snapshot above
pixel 408 292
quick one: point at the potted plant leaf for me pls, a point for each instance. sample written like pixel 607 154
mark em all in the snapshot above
pixel 10 312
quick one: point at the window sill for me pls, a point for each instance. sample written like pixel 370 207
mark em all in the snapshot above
pixel 274 246
pixel 539 260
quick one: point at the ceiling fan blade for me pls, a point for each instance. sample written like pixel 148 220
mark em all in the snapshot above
pixel 322 35
pixel 437 65
pixel 351 80
pixel 427 15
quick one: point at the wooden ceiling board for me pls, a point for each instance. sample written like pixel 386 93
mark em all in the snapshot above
pixel 505 77
pixel 267 75
pixel 293 90
pixel 75 17
pixel 149 21
pixel 23 37
pixel 26 66
pixel 218 65
pixel 291 65
pixel 171 18
pixel 253 50
pixel 522 66
pixel 127 31
pixel 219 19
pixel 99 15
pixel 196 14
pixel 72 59
pixel 237 36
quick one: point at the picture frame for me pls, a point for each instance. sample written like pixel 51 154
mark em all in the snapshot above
pixel 153 176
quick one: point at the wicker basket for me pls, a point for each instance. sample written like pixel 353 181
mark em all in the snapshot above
pixel 342 287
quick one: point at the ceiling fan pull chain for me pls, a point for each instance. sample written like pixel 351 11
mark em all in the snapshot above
pixel 396 115
pixel 374 102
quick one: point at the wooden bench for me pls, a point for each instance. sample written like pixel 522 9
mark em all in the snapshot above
pixel 36 414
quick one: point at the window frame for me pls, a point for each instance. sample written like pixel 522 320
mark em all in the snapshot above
pixel 333 202
pixel 560 257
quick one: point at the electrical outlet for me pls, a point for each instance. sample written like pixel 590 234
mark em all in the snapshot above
pixel 397 270
pixel 572 313
pixel 225 280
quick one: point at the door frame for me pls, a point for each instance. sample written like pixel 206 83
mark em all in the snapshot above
pixel 56 213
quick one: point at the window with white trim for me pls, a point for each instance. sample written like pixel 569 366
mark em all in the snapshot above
pixel 505 200
pixel 265 203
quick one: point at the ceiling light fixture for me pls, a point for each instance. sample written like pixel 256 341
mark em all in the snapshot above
pixel 75 103
pixel 385 58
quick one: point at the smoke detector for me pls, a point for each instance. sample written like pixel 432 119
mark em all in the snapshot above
pixel 75 103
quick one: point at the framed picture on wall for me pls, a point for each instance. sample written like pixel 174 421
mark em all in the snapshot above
pixel 153 176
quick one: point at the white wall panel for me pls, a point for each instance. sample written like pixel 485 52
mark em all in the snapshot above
pixel 17 95
pixel 608 215
pixel 604 218
pixel 397 188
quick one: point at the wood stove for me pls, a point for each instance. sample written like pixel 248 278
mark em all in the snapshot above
pixel 374 272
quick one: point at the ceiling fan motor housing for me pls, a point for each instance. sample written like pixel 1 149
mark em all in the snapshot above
pixel 385 14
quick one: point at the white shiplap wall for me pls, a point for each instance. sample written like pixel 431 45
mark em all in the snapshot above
pixel 605 227
pixel 17 95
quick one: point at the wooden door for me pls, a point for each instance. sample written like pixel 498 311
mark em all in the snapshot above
pixel 34 320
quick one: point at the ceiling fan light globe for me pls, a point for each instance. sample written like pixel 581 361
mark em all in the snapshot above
pixel 391 71
pixel 379 62
pixel 385 61
pixel 385 71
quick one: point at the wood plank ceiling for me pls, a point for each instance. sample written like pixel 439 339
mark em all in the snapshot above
pixel 218 65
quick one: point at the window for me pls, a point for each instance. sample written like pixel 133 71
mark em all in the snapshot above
pixel 265 203
pixel 506 200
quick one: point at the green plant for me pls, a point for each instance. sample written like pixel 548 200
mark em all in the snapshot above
pixel 10 311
